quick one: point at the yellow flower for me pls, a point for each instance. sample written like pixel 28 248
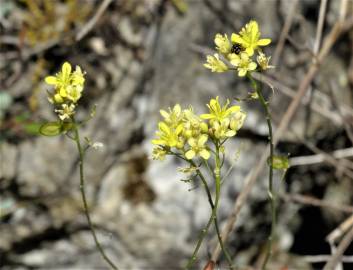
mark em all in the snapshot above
pixel 158 153
pixel 78 77
pixel 215 64
pixel 243 63
pixel 66 112
pixel 193 124
pixel 217 112
pixel 198 147
pixel 263 61
pixel 74 93
pixel 174 117
pixel 237 120
pixel 68 84
pixel 61 80
pixel 169 136
pixel 249 38
pixel 223 44
pixel 221 129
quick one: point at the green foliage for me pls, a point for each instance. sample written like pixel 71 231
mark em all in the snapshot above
pixel 51 129
pixel 279 162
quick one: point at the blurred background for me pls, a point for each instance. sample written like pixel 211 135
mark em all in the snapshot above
pixel 143 55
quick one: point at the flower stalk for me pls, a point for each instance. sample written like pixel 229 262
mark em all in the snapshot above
pixel 271 194
pixel 83 195
pixel 214 208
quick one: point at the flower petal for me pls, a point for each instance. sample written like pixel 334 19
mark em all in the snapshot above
pixel 235 38
pixel 205 154
pixel 177 109
pixel 235 62
pixel 233 56
pixel 242 72
pixel 158 142
pixel 163 127
pixel 51 80
pixel 264 42
pixel 164 113
pixel 253 28
pixel 252 66
pixel 230 133
pixel 206 116
pixel 63 92
pixel 190 154
pixel 249 51
pixel 202 140
pixel 179 129
pixel 233 109
pixel 66 69
pixel 192 142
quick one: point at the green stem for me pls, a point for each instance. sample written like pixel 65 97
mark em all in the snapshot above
pixel 224 249
pixel 203 232
pixel 84 200
pixel 271 194
pixel 214 207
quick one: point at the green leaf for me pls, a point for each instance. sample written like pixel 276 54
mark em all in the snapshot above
pixel 32 128
pixel 279 162
pixel 51 129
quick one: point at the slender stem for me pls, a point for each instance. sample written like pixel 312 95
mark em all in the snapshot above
pixel 271 194
pixel 202 234
pixel 213 207
pixel 209 169
pixel 213 217
pixel 84 200
pixel 224 249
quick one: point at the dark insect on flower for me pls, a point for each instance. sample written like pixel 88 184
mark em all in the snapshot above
pixel 237 48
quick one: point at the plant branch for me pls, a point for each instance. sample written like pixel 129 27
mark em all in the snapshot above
pixel 84 200
pixel 214 207
pixel 225 251
pixel 271 195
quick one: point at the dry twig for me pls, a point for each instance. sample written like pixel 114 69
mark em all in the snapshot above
pixel 284 33
pixel 319 158
pixel 340 230
pixel 309 200
pixel 343 245
pixel 325 258
pixel 320 26
pixel 90 24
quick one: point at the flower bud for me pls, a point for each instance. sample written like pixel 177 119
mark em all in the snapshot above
pixel 188 133
pixel 204 127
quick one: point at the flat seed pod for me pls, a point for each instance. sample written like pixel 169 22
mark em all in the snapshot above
pixel 51 129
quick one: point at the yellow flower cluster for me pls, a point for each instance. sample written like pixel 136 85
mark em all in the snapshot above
pixel 239 50
pixel 68 87
pixel 184 133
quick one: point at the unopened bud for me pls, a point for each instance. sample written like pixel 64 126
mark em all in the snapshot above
pixel 204 127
